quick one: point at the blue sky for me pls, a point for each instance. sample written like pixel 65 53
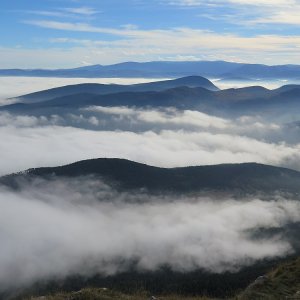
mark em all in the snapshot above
pixel 72 33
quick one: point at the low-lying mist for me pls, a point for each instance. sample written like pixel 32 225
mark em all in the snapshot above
pixel 269 84
pixel 163 138
pixel 51 229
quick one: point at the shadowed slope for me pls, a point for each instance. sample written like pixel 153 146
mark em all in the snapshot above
pixel 245 178
pixel 281 283
pixel 102 89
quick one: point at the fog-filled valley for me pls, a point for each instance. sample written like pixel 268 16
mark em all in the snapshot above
pixel 66 226
pixel 150 150
pixel 168 136
pixel 228 221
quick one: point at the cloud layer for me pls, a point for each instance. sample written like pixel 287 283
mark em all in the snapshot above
pixel 165 138
pixel 234 30
pixel 53 145
pixel 153 44
pixel 58 228
pixel 255 12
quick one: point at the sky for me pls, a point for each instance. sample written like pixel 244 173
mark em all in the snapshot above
pixel 74 33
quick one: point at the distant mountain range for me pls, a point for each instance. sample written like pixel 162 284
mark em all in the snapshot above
pixel 166 69
pixel 242 179
pixel 193 92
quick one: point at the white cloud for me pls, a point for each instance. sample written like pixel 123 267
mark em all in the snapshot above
pixel 141 120
pixel 80 27
pixel 281 17
pixel 91 234
pixel 281 3
pixel 47 13
pixel 143 45
pixel 254 12
pixel 69 12
pixel 168 116
pixel 53 145
pixel 87 11
pixel 22 121
pixel 186 37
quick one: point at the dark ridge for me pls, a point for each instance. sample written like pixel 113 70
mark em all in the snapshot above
pixel 228 103
pixel 246 177
pixel 286 87
pixel 103 89
pixel 161 282
pixel 283 282
pixel 179 97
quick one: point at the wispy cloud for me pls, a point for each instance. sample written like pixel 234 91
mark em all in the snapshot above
pixel 79 27
pixel 258 31
pixel 138 43
pixel 69 12
pixel 199 144
pixel 170 116
pixel 47 13
pixel 182 37
pixel 254 12
pixel 282 3
pixel 87 11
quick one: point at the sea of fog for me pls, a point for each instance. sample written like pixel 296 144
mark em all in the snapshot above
pixel 155 136
pixel 269 84
pixel 57 228
pixel 53 229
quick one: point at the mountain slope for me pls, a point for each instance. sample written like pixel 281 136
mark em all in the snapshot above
pixel 102 89
pixel 244 178
pixel 225 103
pixel 281 283
pixel 106 294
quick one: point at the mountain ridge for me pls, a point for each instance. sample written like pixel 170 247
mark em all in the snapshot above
pixel 224 103
pixel 103 89
pixel 159 69
pixel 244 177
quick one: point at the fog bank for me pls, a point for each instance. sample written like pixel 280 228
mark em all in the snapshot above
pixel 54 232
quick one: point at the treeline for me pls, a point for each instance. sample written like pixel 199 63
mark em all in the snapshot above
pixel 160 282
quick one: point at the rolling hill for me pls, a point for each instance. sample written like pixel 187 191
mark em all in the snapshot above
pixel 225 103
pixel 241 178
pixel 102 89
pixel 123 175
